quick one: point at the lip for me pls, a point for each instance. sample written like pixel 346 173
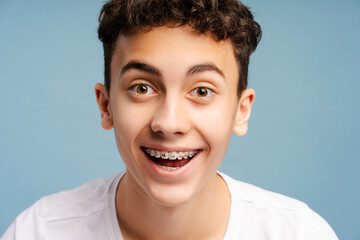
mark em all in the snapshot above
pixel 170 149
pixel 158 171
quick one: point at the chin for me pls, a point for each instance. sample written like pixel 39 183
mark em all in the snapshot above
pixel 170 195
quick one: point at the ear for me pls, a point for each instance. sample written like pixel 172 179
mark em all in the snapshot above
pixel 243 112
pixel 102 98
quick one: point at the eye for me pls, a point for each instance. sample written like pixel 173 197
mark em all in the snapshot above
pixel 202 92
pixel 141 89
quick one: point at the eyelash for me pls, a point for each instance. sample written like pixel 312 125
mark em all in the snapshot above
pixel 209 93
pixel 136 88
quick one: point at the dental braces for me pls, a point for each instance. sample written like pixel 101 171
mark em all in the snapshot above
pixel 170 155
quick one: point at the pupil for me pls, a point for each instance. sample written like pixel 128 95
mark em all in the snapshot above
pixel 202 92
pixel 142 89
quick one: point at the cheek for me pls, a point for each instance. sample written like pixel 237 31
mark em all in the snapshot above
pixel 216 124
pixel 129 121
pixel 218 119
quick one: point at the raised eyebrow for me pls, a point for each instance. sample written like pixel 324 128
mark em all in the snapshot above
pixel 199 68
pixel 139 66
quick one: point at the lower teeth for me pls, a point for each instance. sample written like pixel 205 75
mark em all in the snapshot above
pixel 168 168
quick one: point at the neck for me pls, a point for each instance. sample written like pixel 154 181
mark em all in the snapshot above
pixel 202 217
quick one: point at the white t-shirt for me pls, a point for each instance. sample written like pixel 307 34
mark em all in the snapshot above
pixel 88 213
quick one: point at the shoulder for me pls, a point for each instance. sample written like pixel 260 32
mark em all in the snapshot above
pixel 249 194
pixel 82 201
pixel 69 209
pixel 273 214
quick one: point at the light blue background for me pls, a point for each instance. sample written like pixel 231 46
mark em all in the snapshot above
pixel 303 133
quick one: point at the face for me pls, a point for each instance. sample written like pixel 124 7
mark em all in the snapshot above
pixel 173 105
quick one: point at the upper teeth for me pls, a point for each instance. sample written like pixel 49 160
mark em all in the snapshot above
pixel 170 155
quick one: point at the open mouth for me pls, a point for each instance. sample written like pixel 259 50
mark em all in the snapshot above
pixel 170 160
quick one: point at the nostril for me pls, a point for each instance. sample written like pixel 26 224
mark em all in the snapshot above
pixel 167 127
pixel 169 119
pixel 166 130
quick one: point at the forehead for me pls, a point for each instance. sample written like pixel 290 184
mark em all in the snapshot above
pixel 174 49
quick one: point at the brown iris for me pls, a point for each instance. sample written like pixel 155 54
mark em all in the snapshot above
pixel 202 92
pixel 142 89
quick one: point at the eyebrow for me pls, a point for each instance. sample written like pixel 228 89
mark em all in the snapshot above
pixel 140 66
pixel 199 68
pixel 193 70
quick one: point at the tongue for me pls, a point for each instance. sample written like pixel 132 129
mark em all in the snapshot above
pixel 171 163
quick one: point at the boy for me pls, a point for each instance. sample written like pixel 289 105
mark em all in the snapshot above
pixel 175 90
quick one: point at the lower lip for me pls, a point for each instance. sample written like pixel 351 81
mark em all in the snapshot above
pixel 181 171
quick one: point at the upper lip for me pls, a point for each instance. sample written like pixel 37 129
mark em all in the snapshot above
pixel 171 149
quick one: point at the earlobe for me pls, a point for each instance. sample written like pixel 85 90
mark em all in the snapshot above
pixel 243 112
pixel 103 102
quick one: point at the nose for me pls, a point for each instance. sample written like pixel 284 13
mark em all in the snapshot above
pixel 171 118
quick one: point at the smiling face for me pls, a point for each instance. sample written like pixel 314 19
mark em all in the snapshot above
pixel 173 105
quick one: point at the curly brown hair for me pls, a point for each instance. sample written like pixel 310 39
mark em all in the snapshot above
pixel 222 19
